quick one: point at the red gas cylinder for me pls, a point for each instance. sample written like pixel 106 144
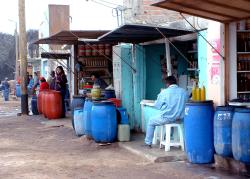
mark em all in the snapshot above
pixel 87 50
pixel 39 102
pixel 54 105
pixel 107 49
pixel 94 50
pixel 116 102
pixel 45 102
pixel 81 50
pixel 101 50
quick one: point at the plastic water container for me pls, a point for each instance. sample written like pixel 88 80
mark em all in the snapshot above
pixel 123 132
pixel 223 130
pixel 198 127
pixel 104 122
pixel 18 90
pixel 77 102
pixel 78 121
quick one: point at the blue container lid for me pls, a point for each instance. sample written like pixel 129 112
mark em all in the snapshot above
pixel 242 110
pixel 224 108
pixel 78 96
pixel 199 103
pixel 78 108
pixel 121 109
pixel 102 103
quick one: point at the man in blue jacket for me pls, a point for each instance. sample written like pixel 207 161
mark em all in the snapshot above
pixel 6 89
pixel 171 104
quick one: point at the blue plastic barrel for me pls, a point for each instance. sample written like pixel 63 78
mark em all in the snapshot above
pixel 198 127
pixel 77 102
pixel 104 122
pixel 241 135
pixel 18 90
pixel 223 130
pixel 109 94
pixel 34 105
pixel 122 115
pixel 78 121
pixel 87 117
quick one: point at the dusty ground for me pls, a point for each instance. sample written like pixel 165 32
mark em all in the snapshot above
pixel 31 149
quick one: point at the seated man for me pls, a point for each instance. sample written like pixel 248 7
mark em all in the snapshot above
pixel 171 103
pixel 98 81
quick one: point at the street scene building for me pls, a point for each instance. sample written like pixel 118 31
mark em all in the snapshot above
pixel 163 93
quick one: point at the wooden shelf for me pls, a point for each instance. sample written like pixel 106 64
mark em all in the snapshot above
pixel 192 69
pixel 243 92
pixel 243 71
pixel 93 56
pixel 243 31
pixel 192 51
pixel 243 53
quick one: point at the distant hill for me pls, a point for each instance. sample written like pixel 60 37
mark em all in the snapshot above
pixel 8 52
pixel 7 56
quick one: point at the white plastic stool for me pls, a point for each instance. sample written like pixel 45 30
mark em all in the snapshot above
pixel 157 135
pixel 166 139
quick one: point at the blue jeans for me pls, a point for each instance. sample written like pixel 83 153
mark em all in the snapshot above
pixel 152 123
pixel 6 94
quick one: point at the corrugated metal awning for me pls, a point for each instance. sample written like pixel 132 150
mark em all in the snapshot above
pixel 140 33
pixel 71 37
pixel 224 11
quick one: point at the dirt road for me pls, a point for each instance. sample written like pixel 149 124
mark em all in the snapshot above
pixel 31 149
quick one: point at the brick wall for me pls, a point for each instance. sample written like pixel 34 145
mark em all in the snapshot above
pixel 140 11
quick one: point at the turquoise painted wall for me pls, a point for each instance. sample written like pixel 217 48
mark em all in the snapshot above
pixel 127 93
pixel 154 81
pixel 202 59
pixel 139 83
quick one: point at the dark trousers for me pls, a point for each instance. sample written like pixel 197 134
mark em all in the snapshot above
pixel 63 93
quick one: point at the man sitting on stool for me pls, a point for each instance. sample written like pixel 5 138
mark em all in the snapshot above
pixel 171 103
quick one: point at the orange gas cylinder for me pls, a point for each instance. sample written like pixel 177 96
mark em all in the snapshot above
pixel 39 102
pixel 54 105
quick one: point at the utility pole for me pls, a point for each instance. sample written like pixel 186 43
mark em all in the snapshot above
pixel 23 57
pixel 17 75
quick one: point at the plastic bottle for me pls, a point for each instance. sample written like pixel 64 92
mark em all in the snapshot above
pixel 194 92
pixel 203 93
pixel 198 93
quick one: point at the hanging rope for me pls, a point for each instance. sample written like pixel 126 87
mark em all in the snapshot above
pixel 197 31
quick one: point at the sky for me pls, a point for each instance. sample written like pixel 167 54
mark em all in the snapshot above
pixel 86 14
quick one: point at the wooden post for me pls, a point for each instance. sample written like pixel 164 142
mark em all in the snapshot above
pixel 75 72
pixel 23 57
pixel 226 62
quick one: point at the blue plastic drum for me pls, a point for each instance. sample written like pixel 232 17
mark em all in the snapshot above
pixel 198 126
pixel 78 121
pixel 241 135
pixel 87 117
pixel 104 122
pixel 223 130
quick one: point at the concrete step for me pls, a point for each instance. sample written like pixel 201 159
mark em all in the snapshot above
pixel 155 154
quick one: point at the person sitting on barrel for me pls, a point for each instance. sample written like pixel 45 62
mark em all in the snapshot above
pixel 43 84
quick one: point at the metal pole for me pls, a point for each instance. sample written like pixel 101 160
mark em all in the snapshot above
pixel 23 57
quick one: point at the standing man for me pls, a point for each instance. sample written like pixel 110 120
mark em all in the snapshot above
pixel 6 89
pixel 171 104
pixel 52 80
